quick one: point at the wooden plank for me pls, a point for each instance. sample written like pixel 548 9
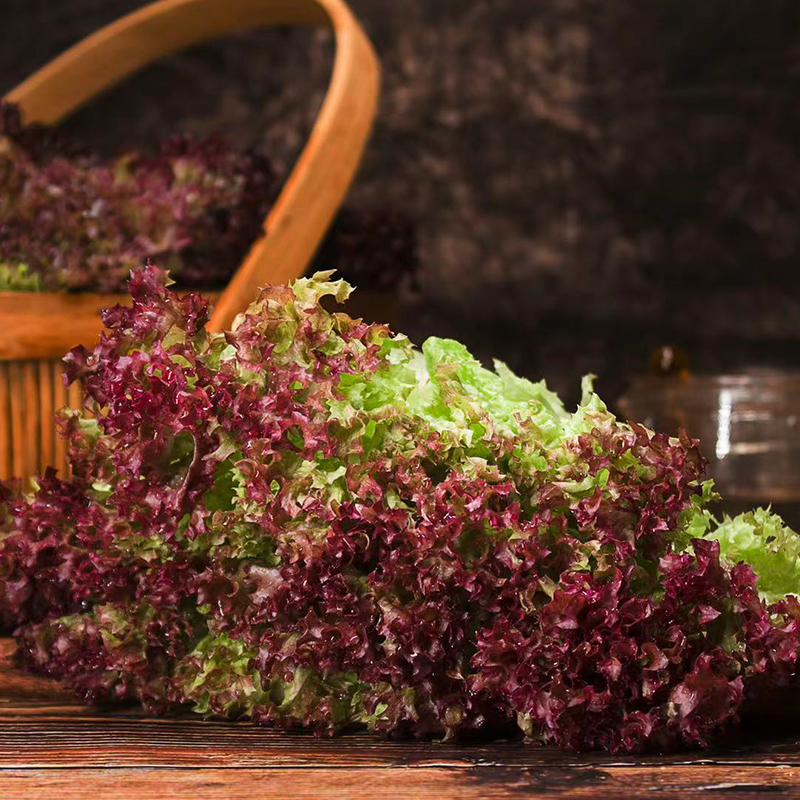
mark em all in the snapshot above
pixel 6 437
pixel 18 414
pixel 60 399
pixel 427 782
pixel 33 408
pixel 47 429
pixel 116 741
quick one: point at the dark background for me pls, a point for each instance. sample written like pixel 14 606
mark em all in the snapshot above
pixel 590 178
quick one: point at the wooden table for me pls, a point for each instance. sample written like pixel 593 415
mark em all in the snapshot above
pixel 51 747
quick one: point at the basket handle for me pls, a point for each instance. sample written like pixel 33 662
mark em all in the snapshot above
pixel 323 172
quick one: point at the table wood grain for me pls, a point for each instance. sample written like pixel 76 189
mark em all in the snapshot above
pixel 53 747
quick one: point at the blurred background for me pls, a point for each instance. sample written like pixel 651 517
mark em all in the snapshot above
pixel 587 180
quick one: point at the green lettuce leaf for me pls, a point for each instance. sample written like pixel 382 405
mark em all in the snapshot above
pixel 761 539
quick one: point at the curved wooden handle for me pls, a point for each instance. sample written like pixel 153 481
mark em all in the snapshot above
pixel 320 178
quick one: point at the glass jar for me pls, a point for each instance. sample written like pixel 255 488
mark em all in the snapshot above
pixel 748 425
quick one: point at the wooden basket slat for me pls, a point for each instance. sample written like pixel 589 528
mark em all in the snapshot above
pixel 60 394
pixel 19 453
pixel 46 410
pixel 33 415
pixel 5 421
pixel 31 391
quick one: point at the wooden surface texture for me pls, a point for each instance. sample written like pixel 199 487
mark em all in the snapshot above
pixel 51 746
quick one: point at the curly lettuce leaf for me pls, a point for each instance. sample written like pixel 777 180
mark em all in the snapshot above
pixel 309 522
pixel 761 539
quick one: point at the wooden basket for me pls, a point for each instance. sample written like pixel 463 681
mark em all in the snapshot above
pixel 39 328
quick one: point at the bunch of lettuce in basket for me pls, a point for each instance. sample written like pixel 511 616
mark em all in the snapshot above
pixel 309 522
pixel 73 219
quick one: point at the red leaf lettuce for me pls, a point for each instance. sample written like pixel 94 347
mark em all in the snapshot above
pixel 309 522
